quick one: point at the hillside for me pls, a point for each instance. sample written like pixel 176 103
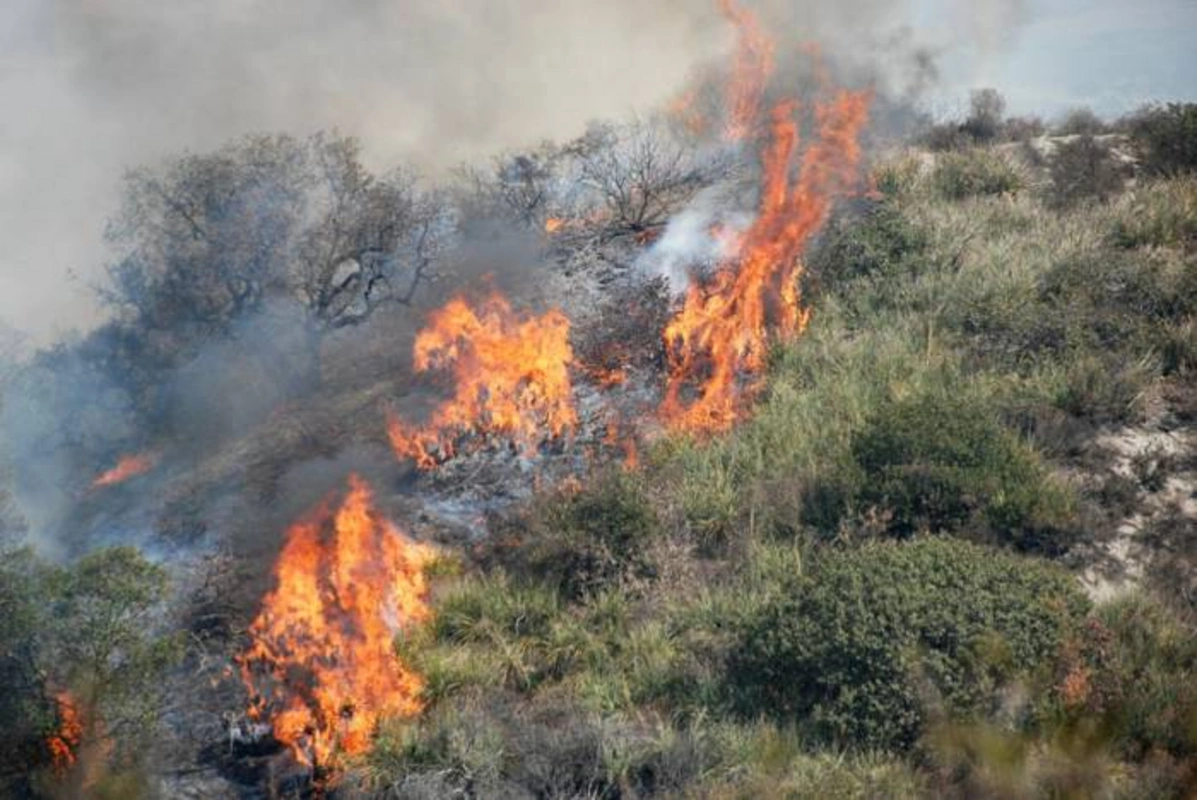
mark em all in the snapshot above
pixel 702 456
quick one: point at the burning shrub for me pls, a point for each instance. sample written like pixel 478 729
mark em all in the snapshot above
pixel 975 173
pixel 856 651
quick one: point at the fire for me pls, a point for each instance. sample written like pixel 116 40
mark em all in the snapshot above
pixel 63 744
pixel 511 374
pixel 126 467
pixel 553 224
pixel 321 666
pixel 750 70
pixel 724 328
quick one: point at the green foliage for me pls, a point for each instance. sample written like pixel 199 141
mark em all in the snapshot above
pixel 27 711
pixel 880 243
pixel 1162 214
pixel 585 541
pixel 974 173
pixel 856 652
pixel 940 461
pixel 106 640
pixel 1140 666
pixel 1166 138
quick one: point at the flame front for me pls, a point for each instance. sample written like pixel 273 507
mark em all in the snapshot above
pixel 63 744
pixel 321 666
pixel 718 341
pixel 511 377
pixel 126 467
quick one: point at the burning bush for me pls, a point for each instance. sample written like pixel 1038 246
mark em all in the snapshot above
pixel 321 665
pixel 511 376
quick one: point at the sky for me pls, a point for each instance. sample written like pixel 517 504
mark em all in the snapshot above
pixel 91 88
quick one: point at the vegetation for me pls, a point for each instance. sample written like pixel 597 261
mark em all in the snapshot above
pixel 868 588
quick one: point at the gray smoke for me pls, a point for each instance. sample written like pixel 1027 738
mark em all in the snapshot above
pixel 93 88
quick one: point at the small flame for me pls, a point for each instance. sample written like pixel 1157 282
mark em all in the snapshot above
pixel 63 744
pixel 511 374
pixel 553 224
pixel 321 666
pixel 127 467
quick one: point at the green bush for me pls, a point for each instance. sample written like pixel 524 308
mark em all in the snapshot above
pixel 1165 137
pixel 880 242
pixel 1137 673
pixel 586 540
pixel 857 652
pixel 974 173
pixel 941 461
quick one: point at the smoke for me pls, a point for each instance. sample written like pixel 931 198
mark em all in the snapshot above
pixel 93 88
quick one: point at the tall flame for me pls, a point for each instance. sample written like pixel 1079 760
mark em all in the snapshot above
pixel 321 666
pixel 127 467
pixel 750 70
pixel 718 341
pixel 511 374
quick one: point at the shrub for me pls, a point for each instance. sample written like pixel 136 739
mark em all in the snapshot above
pixel 1165 138
pixel 974 173
pixel 583 541
pixel 942 462
pixel 1083 169
pixel 880 242
pixel 984 122
pixel 855 652
pixel 1138 661
pixel 1081 122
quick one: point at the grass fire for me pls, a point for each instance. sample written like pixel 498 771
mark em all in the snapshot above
pixel 714 399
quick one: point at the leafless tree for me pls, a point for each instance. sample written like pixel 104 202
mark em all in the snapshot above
pixel 640 172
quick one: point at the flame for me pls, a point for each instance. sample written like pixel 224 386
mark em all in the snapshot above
pixel 321 666
pixel 126 467
pixel 63 744
pixel 723 330
pixel 752 65
pixel 553 224
pixel 511 374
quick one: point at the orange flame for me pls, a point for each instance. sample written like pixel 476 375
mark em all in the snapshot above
pixel 511 373
pixel 321 666
pixel 553 224
pixel 724 327
pixel 750 70
pixel 63 744
pixel 126 467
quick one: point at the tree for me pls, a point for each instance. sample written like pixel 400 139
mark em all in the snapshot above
pixel 640 173
pixel 984 122
pixel 106 642
pixel 207 240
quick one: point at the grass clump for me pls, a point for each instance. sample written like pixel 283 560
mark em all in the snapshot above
pixel 974 173
pixel 856 652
